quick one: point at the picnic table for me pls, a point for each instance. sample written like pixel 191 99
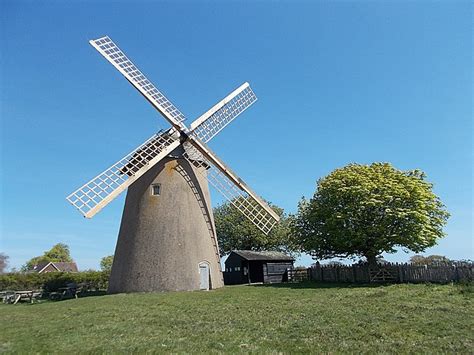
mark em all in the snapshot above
pixel 13 297
pixel 70 291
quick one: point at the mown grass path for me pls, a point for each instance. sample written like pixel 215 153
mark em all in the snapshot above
pixel 285 318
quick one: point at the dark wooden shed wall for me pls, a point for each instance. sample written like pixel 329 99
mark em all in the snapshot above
pixel 266 271
pixel 275 272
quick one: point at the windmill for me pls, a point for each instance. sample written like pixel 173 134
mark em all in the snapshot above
pixel 167 238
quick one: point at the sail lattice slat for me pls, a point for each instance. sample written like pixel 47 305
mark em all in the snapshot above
pixel 237 104
pixel 98 192
pixel 244 202
pixel 119 60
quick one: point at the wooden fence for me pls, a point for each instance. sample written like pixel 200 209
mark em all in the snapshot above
pixel 299 275
pixel 393 272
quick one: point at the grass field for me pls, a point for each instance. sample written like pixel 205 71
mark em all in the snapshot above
pixel 284 318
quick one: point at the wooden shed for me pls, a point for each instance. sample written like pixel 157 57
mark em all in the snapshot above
pixel 247 266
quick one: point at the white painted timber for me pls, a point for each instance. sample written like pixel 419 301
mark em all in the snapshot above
pixel 231 186
pixel 119 60
pixel 101 190
pixel 224 112
pixel 97 193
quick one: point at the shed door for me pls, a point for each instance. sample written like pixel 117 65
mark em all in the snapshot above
pixel 204 276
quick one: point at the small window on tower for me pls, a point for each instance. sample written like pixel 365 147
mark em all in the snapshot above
pixel 155 189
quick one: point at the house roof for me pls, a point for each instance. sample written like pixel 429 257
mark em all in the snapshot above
pixel 66 267
pixel 40 266
pixel 59 266
pixel 262 255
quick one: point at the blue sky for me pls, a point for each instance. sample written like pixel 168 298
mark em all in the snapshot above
pixel 337 82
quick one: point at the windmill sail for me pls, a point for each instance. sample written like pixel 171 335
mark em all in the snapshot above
pixel 119 60
pixel 231 186
pixel 98 192
pixel 224 112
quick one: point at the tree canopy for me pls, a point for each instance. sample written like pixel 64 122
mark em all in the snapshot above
pixel 236 232
pixel 365 210
pixel 58 253
pixel 429 260
pixel 106 263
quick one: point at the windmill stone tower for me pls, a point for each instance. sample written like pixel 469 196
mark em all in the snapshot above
pixel 144 261
pixel 167 239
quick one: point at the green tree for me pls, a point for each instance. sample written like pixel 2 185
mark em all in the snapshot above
pixel 236 232
pixel 106 263
pixel 30 264
pixel 3 262
pixel 429 260
pixel 58 253
pixel 365 210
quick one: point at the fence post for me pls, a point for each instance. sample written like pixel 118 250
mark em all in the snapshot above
pixel 318 272
pixel 400 273
pixel 456 273
pixel 354 273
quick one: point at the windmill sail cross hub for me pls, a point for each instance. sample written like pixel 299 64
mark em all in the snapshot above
pixel 143 168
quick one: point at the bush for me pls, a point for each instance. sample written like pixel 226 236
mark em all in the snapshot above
pixel 52 281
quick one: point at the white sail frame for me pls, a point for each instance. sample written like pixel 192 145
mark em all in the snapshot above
pixel 94 195
pixel 130 71
pixel 101 190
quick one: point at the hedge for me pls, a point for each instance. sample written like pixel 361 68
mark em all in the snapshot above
pixel 52 281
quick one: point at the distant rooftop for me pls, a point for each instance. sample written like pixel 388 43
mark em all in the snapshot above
pixel 59 266
pixel 262 255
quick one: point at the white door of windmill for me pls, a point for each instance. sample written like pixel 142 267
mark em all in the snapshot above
pixel 204 276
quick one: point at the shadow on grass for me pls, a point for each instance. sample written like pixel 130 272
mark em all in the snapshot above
pixel 59 298
pixel 92 294
pixel 312 284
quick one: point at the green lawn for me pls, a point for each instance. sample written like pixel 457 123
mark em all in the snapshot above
pixel 284 318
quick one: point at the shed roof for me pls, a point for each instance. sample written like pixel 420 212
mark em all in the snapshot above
pixel 262 255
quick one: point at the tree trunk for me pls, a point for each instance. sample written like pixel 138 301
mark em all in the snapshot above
pixel 371 260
